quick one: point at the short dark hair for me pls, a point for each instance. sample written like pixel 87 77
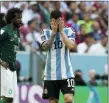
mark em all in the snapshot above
pixel 56 14
pixel 11 14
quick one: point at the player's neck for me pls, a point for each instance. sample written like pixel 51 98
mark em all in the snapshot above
pixel 12 26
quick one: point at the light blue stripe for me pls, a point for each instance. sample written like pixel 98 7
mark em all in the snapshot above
pixel 48 34
pixel 66 31
pixel 58 59
pixel 48 73
pixel 68 73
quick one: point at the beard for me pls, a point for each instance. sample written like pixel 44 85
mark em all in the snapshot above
pixel 17 25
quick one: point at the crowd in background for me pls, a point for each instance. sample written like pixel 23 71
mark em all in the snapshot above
pixel 88 19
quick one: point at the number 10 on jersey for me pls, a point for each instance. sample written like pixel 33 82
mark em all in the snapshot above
pixel 58 44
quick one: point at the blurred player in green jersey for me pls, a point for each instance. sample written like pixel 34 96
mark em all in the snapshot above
pixel 9 40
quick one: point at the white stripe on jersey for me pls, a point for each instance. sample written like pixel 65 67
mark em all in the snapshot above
pixel 53 64
pixel 58 64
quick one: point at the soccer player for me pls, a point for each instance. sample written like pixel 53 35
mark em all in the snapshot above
pixel 57 41
pixel 9 40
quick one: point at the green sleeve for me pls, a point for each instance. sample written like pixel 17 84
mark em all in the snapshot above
pixel 3 35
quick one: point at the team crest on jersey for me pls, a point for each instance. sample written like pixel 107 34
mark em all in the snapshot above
pixel 10 91
pixel 45 91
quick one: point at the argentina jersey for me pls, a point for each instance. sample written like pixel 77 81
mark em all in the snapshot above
pixel 58 63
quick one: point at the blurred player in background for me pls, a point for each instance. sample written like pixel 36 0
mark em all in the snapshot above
pixel 9 40
pixel 2 20
pixel 57 41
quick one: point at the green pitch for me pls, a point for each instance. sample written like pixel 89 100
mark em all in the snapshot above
pixel 82 95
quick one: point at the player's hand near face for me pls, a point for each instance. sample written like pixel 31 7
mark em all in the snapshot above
pixel 47 44
pixel 69 43
pixel 61 24
pixel 54 26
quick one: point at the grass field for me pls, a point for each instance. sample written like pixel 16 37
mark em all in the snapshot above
pixel 82 95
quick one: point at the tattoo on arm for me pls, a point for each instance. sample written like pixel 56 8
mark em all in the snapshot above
pixel 47 44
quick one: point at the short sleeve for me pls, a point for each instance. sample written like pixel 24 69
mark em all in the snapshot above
pixel 71 34
pixel 43 36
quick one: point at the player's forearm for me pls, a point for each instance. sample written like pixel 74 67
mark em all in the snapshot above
pixel 69 43
pixel 47 44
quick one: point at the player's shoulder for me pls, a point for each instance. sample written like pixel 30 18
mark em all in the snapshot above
pixel 4 30
pixel 69 29
pixel 46 31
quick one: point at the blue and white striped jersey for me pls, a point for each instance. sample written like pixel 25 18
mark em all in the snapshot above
pixel 58 63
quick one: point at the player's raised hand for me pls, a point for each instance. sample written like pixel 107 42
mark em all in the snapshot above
pixel 54 26
pixel 61 24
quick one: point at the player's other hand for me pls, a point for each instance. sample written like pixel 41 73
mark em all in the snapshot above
pixel 54 26
pixel 61 24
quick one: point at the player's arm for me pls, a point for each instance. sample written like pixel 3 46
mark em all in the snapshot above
pixel 69 40
pixel 48 43
pixel 3 34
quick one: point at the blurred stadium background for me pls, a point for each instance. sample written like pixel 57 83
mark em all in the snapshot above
pixel 89 58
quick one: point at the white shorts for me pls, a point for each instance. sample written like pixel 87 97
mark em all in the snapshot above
pixel 8 83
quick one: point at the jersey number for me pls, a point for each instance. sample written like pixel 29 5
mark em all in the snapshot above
pixel 58 44
pixel 70 82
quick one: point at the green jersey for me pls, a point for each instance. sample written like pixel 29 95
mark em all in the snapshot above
pixel 9 40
